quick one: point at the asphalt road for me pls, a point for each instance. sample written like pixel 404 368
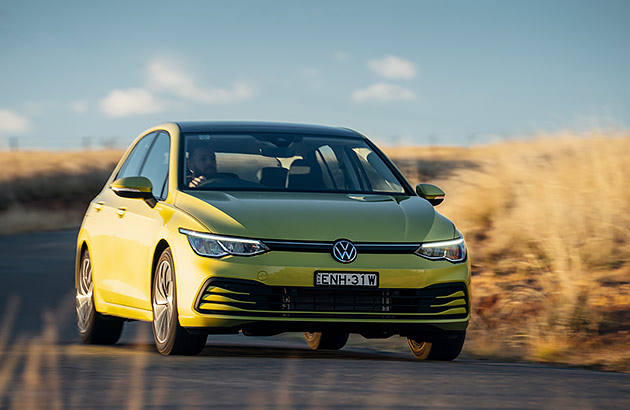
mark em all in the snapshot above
pixel 43 365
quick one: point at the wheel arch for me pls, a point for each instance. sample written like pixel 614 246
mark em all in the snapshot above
pixel 159 248
pixel 77 263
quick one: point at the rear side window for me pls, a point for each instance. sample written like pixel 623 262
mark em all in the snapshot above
pixel 131 166
pixel 155 167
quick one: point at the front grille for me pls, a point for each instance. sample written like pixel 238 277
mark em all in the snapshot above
pixel 326 247
pixel 244 297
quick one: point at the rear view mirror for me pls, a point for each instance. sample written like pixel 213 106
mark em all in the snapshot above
pixel 431 193
pixel 134 187
pixel 278 152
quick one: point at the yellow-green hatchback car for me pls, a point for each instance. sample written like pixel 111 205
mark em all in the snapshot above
pixel 263 228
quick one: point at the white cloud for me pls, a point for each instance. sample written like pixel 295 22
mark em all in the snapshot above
pixel 132 101
pixel 393 67
pixel 166 77
pixel 11 122
pixel 382 92
pixel 79 106
pixel 165 81
pixel 239 91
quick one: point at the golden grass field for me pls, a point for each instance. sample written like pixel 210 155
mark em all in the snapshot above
pixel 547 222
pixel 46 190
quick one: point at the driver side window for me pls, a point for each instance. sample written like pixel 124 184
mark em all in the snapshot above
pixel 150 159
pixel 131 166
pixel 155 167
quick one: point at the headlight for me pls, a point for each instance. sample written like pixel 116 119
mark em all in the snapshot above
pixel 452 251
pixel 215 246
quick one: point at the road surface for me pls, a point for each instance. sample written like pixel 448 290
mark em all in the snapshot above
pixel 43 365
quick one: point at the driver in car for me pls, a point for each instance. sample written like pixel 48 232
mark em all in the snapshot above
pixel 202 165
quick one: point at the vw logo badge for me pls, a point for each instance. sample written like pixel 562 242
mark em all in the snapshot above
pixel 344 251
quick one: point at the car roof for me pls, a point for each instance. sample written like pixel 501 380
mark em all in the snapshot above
pixel 274 127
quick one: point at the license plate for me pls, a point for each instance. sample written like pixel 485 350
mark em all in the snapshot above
pixel 347 279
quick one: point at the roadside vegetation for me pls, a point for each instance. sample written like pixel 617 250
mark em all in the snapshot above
pixel 547 222
pixel 48 190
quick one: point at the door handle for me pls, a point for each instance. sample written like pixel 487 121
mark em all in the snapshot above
pixel 98 206
pixel 121 211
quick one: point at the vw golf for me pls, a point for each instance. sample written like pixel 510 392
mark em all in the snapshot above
pixel 263 228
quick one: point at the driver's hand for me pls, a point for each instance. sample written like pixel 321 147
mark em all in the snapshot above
pixel 195 182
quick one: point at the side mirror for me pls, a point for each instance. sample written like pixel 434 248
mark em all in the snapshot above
pixel 431 193
pixel 134 187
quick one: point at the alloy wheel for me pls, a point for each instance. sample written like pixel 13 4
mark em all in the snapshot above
pixel 163 301
pixel 84 296
pixel 420 349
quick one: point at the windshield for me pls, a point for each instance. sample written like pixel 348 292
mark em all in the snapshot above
pixel 284 162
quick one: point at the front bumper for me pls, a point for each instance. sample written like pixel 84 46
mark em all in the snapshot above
pixel 274 292
pixel 233 297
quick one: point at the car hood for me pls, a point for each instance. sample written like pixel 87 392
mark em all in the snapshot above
pixel 316 216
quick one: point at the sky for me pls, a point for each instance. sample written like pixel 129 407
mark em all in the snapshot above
pixel 76 74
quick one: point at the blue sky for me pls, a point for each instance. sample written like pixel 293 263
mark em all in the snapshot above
pixel 402 72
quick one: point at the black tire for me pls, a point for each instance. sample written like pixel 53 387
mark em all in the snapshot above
pixel 170 338
pixel 93 327
pixel 326 340
pixel 445 349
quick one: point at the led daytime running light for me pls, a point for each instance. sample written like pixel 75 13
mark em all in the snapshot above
pixel 453 250
pixel 442 244
pixel 216 246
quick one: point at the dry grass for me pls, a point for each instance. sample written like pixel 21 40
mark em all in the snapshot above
pixel 548 228
pixel 19 165
pixel 43 190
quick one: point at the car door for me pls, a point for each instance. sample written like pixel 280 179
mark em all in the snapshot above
pixel 138 227
pixel 104 226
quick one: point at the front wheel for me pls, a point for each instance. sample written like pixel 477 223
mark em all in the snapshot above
pixel 170 337
pixel 420 349
pixel 93 327
pixel 445 349
pixel 326 340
